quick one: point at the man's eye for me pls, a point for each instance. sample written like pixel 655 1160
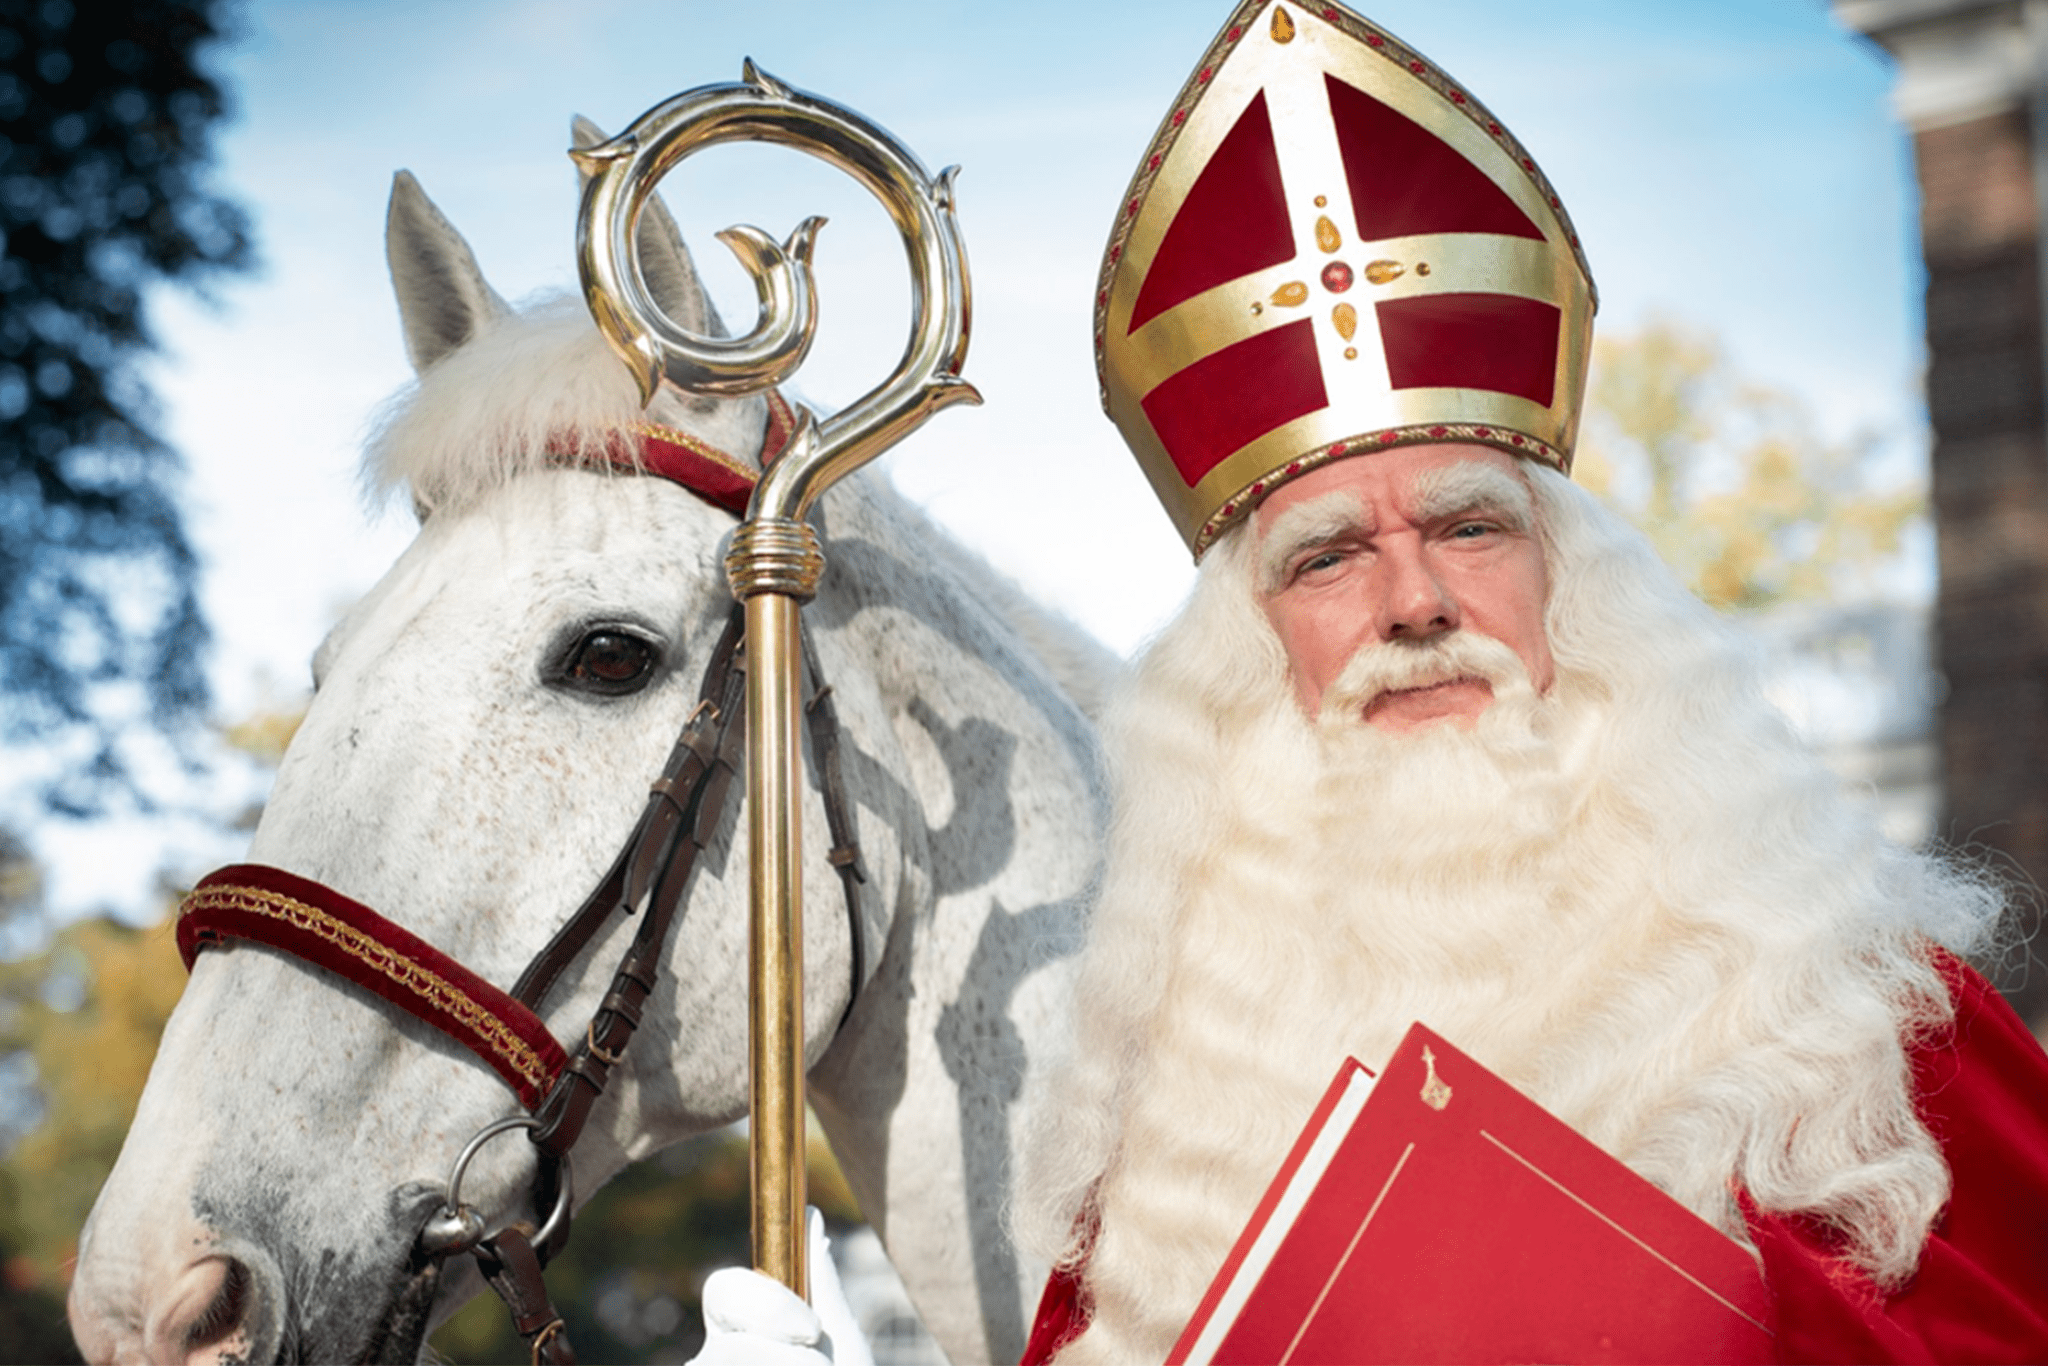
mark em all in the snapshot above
pixel 1472 531
pixel 1329 559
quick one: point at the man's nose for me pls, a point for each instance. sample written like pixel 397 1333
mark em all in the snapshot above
pixel 1414 602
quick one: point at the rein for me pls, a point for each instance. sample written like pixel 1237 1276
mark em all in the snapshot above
pixel 559 1087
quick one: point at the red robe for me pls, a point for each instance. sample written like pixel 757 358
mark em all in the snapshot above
pixel 1981 1291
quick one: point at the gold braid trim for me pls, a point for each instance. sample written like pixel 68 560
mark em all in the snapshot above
pixel 676 436
pixel 441 994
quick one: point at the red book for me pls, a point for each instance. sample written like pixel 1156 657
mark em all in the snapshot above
pixel 1439 1215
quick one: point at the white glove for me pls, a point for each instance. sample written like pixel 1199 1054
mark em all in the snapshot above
pixel 755 1320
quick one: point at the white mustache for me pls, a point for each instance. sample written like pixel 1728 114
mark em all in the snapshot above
pixel 1396 666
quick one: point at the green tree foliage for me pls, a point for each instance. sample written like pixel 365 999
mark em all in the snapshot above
pixel 31 1313
pixel 86 1015
pixel 1730 480
pixel 106 117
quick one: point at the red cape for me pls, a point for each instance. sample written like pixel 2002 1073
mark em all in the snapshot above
pixel 1981 1292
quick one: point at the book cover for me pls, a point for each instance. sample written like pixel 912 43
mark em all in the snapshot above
pixel 1437 1214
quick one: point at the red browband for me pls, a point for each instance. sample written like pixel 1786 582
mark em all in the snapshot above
pixel 321 926
pixel 675 455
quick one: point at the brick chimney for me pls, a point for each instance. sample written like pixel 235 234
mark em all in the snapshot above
pixel 1972 91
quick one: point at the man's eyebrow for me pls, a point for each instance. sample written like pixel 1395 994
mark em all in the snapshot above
pixel 1470 486
pixel 1315 522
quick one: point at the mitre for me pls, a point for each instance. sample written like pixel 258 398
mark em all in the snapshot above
pixel 1331 247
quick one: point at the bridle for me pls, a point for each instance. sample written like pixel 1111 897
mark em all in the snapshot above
pixel 558 1086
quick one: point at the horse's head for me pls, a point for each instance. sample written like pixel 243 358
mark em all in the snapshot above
pixel 483 731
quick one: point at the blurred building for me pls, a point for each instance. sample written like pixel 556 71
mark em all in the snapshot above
pixel 1859 682
pixel 1972 92
pixel 880 1304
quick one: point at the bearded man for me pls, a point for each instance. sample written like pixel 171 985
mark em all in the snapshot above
pixel 1436 738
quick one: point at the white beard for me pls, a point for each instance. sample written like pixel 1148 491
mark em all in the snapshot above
pixel 1540 889
pixel 1415 876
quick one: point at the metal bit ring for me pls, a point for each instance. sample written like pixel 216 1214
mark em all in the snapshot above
pixel 456 1228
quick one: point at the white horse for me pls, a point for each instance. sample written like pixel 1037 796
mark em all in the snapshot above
pixel 458 772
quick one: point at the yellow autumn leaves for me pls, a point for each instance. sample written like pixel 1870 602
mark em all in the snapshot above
pixel 1730 479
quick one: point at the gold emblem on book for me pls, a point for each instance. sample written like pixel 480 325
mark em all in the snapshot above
pixel 1436 1092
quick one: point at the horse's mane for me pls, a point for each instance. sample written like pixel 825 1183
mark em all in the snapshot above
pixel 539 385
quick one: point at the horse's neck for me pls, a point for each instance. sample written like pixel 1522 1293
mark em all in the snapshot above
pixel 920 1092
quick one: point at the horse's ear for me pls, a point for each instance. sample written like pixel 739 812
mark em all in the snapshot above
pixel 664 261
pixel 443 299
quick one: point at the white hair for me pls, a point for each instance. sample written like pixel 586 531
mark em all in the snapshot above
pixel 1638 898
pixel 540 388
pixel 530 390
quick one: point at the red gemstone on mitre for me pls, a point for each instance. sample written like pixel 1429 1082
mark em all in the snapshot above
pixel 1417 67
pixel 1386 437
pixel 1203 77
pixel 1336 448
pixel 1258 488
pixel 1516 439
pixel 1294 467
pixel 1374 39
pixel 1236 32
pixel 1436 431
pixel 1457 97
pixel 1153 164
pixel 1227 509
pixel 1337 277
pixel 1482 431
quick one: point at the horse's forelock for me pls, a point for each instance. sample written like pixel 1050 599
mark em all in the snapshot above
pixel 533 389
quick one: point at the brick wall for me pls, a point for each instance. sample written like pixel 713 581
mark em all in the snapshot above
pixel 1979 234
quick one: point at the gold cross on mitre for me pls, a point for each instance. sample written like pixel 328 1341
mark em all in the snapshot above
pixel 1331 247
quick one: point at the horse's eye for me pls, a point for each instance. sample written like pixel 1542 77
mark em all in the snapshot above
pixel 609 662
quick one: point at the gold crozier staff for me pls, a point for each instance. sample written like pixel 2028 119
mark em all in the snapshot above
pixel 775 562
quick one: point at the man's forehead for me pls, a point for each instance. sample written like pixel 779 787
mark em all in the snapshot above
pixel 1418 482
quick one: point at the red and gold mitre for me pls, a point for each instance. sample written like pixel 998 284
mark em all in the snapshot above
pixel 1331 247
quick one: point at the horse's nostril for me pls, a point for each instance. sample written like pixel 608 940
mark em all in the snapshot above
pixel 225 1313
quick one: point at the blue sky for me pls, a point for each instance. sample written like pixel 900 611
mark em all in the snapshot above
pixel 1730 164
